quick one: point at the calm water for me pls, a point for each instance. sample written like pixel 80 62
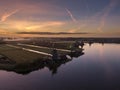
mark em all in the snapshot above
pixel 97 69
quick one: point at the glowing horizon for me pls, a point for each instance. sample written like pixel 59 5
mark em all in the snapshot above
pixel 101 18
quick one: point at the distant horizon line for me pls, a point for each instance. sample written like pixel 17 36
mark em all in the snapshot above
pixel 52 33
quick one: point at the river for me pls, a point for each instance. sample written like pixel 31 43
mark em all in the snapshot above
pixel 97 69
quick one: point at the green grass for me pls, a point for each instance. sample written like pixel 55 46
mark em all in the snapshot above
pixel 46 50
pixel 26 61
pixel 19 55
pixel 65 42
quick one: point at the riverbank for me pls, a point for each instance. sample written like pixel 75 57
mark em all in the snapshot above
pixel 27 58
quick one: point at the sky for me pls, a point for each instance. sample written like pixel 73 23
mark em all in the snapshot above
pixel 101 17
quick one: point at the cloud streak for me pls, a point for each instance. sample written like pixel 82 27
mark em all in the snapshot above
pixel 5 16
pixel 106 13
pixel 71 15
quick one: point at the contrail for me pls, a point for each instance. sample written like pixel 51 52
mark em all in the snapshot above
pixel 5 16
pixel 106 13
pixel 71 15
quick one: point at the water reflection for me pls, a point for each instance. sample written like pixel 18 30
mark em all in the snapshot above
pixel 52 65
pixel 97 69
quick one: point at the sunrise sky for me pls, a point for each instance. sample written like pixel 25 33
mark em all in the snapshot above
pixel 91 16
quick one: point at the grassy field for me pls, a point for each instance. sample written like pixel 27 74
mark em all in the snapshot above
pixel 19 55
pixel 26 61
pixel 41 49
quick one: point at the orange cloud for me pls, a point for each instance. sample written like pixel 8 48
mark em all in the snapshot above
pixel 17 26
pixel 5 16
